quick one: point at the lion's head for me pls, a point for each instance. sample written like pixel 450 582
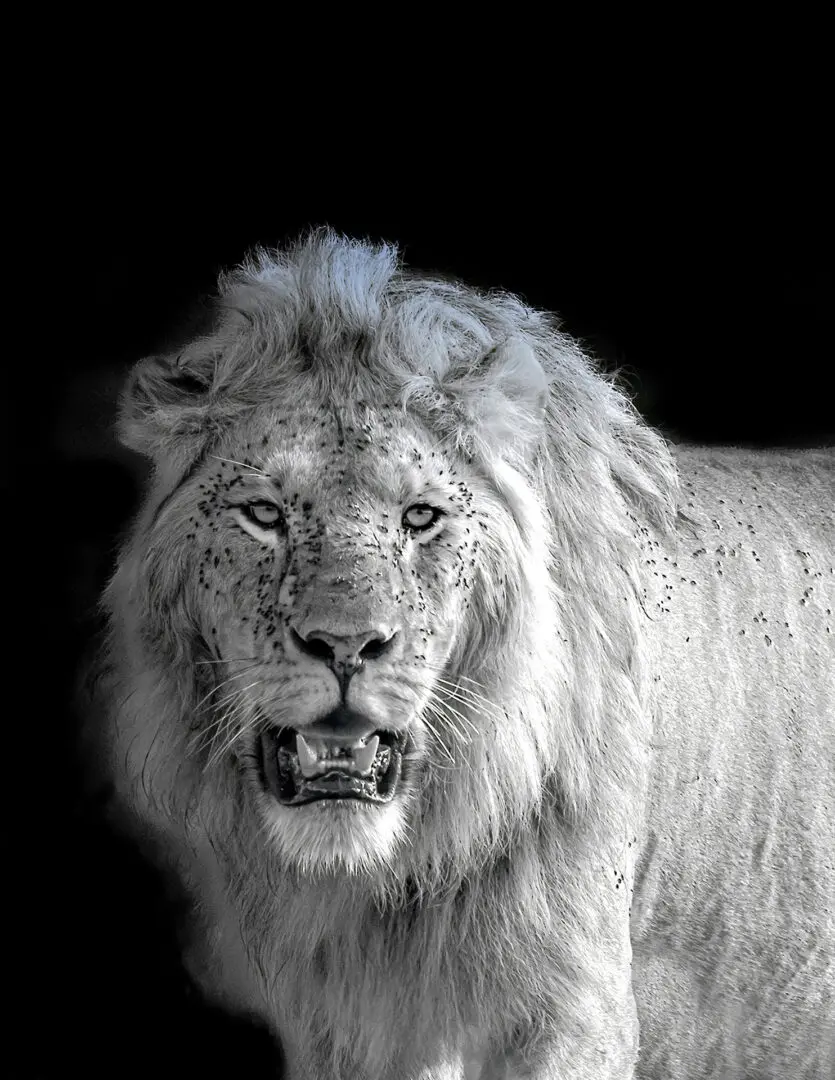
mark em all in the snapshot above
pixel 354 622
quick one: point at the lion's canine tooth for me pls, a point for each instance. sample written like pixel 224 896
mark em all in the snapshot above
pixel 307 756
pixel 363 758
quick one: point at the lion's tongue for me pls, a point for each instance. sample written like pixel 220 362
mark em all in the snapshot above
pixel 317 756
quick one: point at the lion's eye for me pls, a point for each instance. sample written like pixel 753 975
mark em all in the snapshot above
pixel 265 514
pixel 420 517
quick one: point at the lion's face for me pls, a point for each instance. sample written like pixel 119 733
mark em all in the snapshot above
pixel 329 557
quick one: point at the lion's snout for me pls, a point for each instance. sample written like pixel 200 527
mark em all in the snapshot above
pixel 344 654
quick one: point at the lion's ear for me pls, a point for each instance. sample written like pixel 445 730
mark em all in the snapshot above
pixel 519 376
pixel 164 397
pixel 504 395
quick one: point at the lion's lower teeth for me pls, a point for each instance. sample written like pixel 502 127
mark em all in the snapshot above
pixel 317 756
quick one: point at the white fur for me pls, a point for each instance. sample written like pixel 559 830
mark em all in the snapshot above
pixel 482 916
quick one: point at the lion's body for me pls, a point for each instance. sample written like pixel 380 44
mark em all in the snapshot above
pixel 734 906
pixel 580 681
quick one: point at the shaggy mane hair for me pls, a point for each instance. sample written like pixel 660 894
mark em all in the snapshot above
pixel 499 910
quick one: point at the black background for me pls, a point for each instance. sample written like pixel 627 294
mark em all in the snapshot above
pixel 696 257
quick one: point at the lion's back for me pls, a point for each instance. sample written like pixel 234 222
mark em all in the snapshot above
pixel 733 910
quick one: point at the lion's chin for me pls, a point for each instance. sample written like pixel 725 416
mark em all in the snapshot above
pixel 347 835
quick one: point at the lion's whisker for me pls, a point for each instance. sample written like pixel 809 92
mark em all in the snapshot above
pixel 444 702
pixel 238 675
pixel 447 712
pixel 471 699
pixel 243 465
pixel 434 732
pixel 227 660
pixel 229 744
pixel 235 704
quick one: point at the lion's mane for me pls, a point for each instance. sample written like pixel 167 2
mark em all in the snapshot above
pixel 503 908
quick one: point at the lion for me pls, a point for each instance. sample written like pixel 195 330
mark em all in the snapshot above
pixel 490 735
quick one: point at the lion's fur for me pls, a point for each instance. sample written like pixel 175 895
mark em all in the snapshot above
pixel 733 914
pixel 486 920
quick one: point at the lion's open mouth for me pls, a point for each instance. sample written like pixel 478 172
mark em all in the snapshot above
pixel 300 770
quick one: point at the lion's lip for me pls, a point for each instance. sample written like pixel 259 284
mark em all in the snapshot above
pixel 300 768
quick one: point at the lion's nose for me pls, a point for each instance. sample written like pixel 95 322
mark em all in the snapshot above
pixel 344 654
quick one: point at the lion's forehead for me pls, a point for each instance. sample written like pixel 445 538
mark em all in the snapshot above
pixel 331 454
